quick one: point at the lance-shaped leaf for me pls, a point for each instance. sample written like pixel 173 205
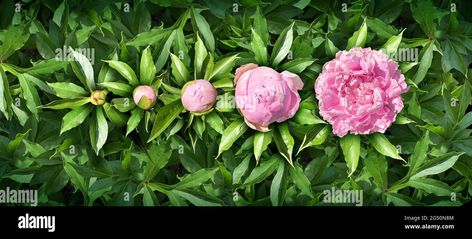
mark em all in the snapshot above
pixel 67 103
pixel 118 88
pixel 85 72
pixel 358 38
pixel 125 70
pixel 98 130
pixel 282 46
pixel 68 90
pixel 199 23
pixel 261 142
pixel 383 146
pixel 164 118
pixel 259 48
pixel 284 141
pixel 75 117
pixel 231 134
pixel 222 67
pixel 147 69
pixel 5 96
pixel 200 56
pixel 134 120
pixel 351 146
pixel 179 70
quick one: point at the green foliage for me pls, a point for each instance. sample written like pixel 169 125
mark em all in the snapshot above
pixel 55 57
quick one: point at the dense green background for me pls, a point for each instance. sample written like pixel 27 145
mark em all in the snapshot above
pixel 169 157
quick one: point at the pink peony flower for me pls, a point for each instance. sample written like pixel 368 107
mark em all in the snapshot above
pixel 360 91
pixel 265 96
pixel 144 97
pixel 198 96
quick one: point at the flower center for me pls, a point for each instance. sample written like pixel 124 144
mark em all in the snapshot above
pixel 357 93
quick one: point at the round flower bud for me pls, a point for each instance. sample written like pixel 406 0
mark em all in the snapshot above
pixel 98 97
pixel 144 97
pixel 198 96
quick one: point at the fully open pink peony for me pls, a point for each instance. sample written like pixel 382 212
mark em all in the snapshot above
pixel 360 91
pixel 265 96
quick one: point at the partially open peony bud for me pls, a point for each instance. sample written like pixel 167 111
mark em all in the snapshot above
pixel 198 96
pixel 144 97
pixel 265 96
pixel 98 97
pixel 360 91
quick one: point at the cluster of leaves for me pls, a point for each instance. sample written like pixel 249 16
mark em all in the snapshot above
pixel 56 138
